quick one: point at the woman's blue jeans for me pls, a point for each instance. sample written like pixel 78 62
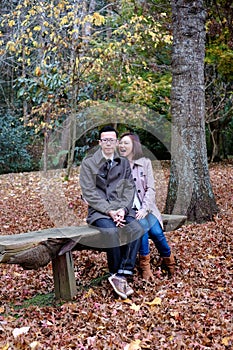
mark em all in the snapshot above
pixel 154 231
pixel 121 251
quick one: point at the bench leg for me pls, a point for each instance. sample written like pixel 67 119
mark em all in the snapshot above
pixel 64 278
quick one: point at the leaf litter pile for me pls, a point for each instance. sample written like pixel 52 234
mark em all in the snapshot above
pixel 193 310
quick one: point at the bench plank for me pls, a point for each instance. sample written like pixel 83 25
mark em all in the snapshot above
pixel 11 245
pixel 27 249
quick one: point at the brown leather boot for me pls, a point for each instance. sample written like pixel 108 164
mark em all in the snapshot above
pixel 144 263
pixel 170 263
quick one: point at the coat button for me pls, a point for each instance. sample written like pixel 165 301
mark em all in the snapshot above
pixel 139 191
pixel 135 179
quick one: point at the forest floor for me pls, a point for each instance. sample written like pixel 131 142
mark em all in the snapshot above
pixel 193 310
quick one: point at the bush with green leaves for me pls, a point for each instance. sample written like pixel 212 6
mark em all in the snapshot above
pixel 14 140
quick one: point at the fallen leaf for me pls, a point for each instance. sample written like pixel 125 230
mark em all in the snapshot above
pixel 156 301
pixel 19 331
pixel 34 344
pixel 135 307
pixel 225 341
pixel 175 314
pixel 134 345
pixel 6 347
pixel 2 309
pixel 195 310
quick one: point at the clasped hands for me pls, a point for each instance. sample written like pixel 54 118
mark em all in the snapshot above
pixel 118 216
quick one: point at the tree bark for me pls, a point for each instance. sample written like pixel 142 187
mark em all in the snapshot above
pixel 190 192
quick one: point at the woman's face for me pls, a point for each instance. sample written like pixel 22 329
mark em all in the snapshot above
pixel 126 147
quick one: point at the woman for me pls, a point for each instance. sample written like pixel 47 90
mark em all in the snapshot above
pixel 146 210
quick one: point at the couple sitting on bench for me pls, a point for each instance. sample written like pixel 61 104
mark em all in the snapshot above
pixel 120 193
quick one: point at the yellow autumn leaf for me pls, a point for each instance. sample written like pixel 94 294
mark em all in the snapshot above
pixel 60 6
pixel 32 12
pixel 225 341
pixel 100 327
pixel 134 345
pixel 37 28
pixel 11 23
pixel 127 301
pixel 98 20
pixel 27 51
pixel 211 257
pixel 71 15
pixel 156 301
pixel 220 289
pixel 167 39
pixel 135 307
pixel 11 46
pixel 64 20
pixel 152 34
pixel 37 71
pixel 89 293
pixel 6 347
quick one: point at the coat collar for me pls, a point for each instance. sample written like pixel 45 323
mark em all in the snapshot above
pixel 139 161
pixel 99 158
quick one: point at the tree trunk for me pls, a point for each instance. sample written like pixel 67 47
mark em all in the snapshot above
pixel 190 192
pixel 45 155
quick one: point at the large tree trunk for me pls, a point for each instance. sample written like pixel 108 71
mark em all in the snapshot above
pixel 190 192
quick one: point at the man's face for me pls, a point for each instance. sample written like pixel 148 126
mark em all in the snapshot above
pixel 108 142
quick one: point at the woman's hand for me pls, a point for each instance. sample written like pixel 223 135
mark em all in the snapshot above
pixel 141 214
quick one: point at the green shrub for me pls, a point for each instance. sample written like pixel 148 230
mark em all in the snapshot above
pixel 14 140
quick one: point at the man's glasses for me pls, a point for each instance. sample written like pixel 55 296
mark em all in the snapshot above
pixel 112 141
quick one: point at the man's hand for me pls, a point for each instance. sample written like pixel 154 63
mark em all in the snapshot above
pixel 118 216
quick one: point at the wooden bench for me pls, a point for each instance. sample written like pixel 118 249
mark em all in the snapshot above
pixel 33 250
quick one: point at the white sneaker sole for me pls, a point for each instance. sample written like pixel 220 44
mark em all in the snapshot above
pixel 122 295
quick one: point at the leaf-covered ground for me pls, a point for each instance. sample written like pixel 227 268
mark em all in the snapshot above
pixel 194 310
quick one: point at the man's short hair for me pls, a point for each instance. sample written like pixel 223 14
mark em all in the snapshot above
pixel 107 128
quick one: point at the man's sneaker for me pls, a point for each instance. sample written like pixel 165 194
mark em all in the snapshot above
pixel 118 284
pixel 128 289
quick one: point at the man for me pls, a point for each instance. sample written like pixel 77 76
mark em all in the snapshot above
pixel 108 188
